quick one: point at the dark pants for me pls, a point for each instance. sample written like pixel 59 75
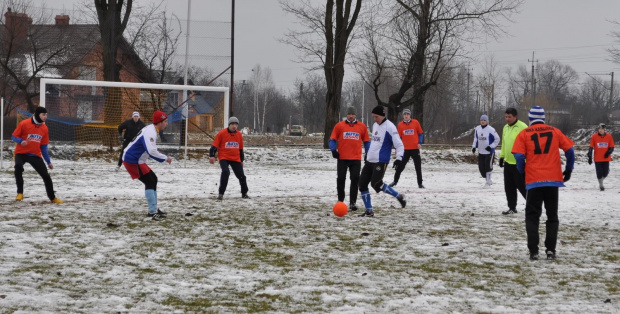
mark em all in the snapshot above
pixel 417 163
pixel 533 209
pixel 513 182
pixel 602 169
pixel 372 173
pixel 485 164
pixel 354 169
pixel 38 165
pixel 120 157
pixel 237 168
pixel 149 180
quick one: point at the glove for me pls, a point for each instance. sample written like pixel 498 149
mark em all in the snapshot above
pixel 473 150
pixel 396 164
pixel 501 162
pixel 120 138
pixel 335 154
pixel 589 160
pixel 607 154
pixel 488 148
pixel 567 174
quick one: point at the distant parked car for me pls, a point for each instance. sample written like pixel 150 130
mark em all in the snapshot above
pixel 298 130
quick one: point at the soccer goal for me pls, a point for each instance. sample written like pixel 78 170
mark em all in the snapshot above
pixel 83 116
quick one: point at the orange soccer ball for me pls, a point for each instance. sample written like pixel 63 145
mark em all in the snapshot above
pixel 340 209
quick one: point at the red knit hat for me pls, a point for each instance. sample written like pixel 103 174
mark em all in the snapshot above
pixel 159 116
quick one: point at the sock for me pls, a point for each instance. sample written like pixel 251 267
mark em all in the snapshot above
pixel 366 199
pixel 489 182
pixel 151 199
pixel 600 182
pixel 389 190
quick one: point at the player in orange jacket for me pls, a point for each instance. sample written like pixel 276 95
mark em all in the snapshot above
pixel 32 138
pixel 346 142
pixel 602 144
pixel 536 150
pixel 228 144
pixel 410 132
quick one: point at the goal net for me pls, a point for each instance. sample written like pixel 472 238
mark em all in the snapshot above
pixel 83 116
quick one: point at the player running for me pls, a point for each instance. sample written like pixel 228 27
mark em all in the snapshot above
pixel 143 146
pixel 32 138
pixel 485 140
pixel 384 137
pixel 602 144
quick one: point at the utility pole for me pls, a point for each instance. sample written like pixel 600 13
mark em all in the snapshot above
pixel 611 93
pixel 468 90
pixel 232 61
pixel 301 105
pixel 533 80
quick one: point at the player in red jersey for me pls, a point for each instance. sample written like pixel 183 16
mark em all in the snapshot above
pixel 602 144
pixel 228 144
pixel 345 143
pixel 536 150
pixel 412 135
pixel 32 138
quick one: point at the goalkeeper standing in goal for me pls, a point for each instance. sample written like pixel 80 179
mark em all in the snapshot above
pixel 32 138
pixel 131 127
pixel 143 146
pixel 228 144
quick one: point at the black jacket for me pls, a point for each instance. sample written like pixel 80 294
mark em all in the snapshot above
pixel 131 128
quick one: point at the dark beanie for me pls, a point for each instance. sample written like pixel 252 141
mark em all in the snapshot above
pixel 378 110
pixel 38 112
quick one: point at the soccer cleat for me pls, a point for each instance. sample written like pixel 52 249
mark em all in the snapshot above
pixel 244 196
pixel 117 168
pixel 352 207
pixel 421 186
pixel 368 213
pixel 602 188
pixel 220 197
pixel 401 200
pixel 534 256
pixel 393 184
pixel 158 214
pixel 550 255
pixel 19 197
pixel 510 211
pixel 57 201
pixel 486 185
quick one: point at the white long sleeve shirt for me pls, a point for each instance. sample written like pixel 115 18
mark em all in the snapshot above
pixel 384 136
pixel 484 137
pixel 143 146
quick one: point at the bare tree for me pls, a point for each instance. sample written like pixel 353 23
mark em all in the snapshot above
pixel 32 46
pixel 418 39
pixel 326 38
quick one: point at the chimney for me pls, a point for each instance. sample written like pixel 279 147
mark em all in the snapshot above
pixel 16 27
pixel 62 19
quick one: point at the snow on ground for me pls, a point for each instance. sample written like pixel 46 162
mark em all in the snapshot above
pixel 449 250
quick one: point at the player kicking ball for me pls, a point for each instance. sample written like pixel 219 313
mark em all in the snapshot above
pixel 143 146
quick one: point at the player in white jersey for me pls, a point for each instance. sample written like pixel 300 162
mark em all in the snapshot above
pixel 485 140
pixel 143 146
pixel 384 136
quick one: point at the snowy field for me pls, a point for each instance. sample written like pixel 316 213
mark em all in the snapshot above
pixel 449 250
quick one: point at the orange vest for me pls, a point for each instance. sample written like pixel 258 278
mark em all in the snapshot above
pixel 35 134
pixel 410 132
pixel 601 144
pixel 350 137
pixel 541 144
pixel 228 145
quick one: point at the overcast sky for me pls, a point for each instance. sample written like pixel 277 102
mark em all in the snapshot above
pixel 574 32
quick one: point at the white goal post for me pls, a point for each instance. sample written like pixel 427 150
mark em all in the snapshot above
pixel 103 105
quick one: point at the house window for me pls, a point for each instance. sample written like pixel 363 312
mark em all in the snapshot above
pixel 85 110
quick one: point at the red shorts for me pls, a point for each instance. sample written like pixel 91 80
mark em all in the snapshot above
pixel 136 170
